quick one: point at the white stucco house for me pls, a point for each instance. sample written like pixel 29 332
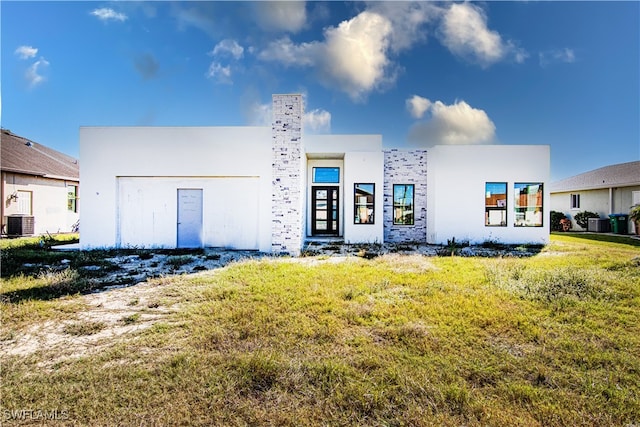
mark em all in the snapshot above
pixel 612 189
pixel 273 188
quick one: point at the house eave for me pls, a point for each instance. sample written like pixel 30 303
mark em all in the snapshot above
pixel 594 187
pixel 41 174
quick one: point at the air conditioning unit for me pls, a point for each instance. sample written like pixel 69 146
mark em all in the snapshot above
pixel 599 225
pixel 20 225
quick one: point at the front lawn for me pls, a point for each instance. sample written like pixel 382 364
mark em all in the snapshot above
pixel 550 340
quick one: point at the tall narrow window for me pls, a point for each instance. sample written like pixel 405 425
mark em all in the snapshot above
pixel 403 204
pixel 363 197
pixel 25 206
pixel 495 204
pixel 575 201
pixel 528 204
pixel 72 198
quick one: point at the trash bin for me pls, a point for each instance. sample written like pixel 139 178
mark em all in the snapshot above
pixel 618 223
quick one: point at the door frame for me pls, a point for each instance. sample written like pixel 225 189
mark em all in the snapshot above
pixel 330 200
pixel 201 231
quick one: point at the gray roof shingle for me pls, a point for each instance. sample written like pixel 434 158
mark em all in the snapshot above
pixel 21 155
pixel 620 175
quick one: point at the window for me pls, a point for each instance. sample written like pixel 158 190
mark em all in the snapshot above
pixel 72 198
pixel 403 204
pixel 575 201
pixel 364 196
pixel 326 175
pixel 495 204
pixel 528 204
pixel 24 199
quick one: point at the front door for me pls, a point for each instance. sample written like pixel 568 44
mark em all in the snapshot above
pixel 189 218
pixel 324 211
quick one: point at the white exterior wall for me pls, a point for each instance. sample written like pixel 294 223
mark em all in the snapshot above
pixel 603 201
pixel 363 168
pixel 334 146
pixel 590 200
pixel 148 210
pixel 48 201
pixel 456 196
pixel 201 156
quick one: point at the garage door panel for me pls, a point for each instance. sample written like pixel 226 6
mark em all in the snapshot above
pixel 232 213
pixel 147 214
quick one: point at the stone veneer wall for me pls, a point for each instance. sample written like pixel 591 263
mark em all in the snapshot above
pixel 406 167
pixel 287 211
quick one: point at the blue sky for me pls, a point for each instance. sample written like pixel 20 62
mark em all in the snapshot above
pixel 419 73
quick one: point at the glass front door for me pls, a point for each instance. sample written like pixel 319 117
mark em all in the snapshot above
pixel 324 211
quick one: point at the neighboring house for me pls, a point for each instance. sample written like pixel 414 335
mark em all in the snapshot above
pixel 609 190
pixel 39 187
pixel 274 188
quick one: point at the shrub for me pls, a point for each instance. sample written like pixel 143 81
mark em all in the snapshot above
pixel 178 261
pixel 634 215
pixel 582 218
pixel 556 217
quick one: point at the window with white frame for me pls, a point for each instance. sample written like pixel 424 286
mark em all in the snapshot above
pixel 72 198
pixel 575 201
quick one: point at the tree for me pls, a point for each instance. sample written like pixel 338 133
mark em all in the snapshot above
pixel 556 217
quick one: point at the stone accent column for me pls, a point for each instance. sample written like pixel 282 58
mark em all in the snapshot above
pixel 287 211
pixel 406 167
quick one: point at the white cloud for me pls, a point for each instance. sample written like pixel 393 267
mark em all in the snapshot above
pixel 317 121
pixel 464 31
pixel 26 52
pixel 34 75
pixel 417 106
pixel 407 19
pixel 230 47
pixel 199 15
pixel 314 121
pixel 225 48
pixel 356 54
pixel 548 57
pixel 290 16
pixel 107 14
pixel 259 114
pixel 219 73
pixel 352 56
pixel 458 123
pixel 288 53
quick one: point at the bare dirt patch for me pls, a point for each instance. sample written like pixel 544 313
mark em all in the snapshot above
pixel 109 316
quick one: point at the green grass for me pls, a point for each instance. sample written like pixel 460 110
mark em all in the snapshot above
pixel 39 241
pixel 550 340
pixel 621 239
